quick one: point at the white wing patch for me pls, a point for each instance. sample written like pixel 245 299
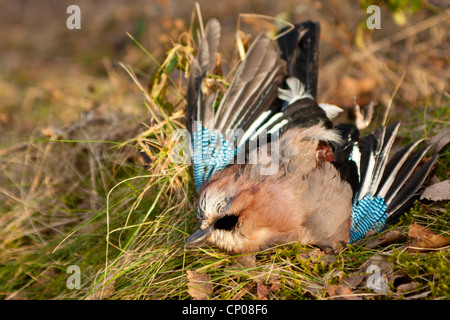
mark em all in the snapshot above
pixel 331 110
pixel 296 91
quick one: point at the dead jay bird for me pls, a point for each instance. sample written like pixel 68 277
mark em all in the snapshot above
pixel 329 186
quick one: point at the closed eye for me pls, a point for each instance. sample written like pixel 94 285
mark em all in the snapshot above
pixel 227 222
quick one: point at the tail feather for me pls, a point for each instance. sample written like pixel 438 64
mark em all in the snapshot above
pixel 300 48
pixel 374 155
pixel 260 102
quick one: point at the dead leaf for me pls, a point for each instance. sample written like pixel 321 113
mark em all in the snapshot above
pixel 262 290
pixel 247 261
pixel 416 231
pixel 423 238
pixel 386 239
pixel 333 274
pixel 407 287
pixel 199 285
pixel 353 280
pixel 437 192
pixel 317 256
pixel 374 274
pixel 439 141
pixel 341 292
pixel 276 285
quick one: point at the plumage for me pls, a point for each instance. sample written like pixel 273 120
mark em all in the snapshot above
pixel 270 167
pixel 379 197
pixel 200 108
pixel 300 49
pixel 254 86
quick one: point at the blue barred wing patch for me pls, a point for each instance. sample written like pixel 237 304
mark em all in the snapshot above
pixel 211 153
pixel 367 213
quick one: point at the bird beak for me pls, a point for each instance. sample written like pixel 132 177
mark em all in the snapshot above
pixel 198 236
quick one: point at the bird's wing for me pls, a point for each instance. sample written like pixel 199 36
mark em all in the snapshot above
pixel 199 106
pixel 385 187
pixel 244 106
pixel 259 102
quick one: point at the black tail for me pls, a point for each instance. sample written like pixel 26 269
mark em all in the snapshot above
pixel 300 48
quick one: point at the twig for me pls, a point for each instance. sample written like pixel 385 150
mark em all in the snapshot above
pixel 392 98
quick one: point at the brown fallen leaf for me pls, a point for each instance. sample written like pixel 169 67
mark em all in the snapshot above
pixel 407 287
pixel 199 285
pixel 422 238
pixel 439 141
pixel 317 256
pixel 335 273
pixel 276 285
pixel 341 292
pixel 374 274
pixel 263 291
pixel 437 192
pixel 416 231
pixel 247 261
pixel 353 280
pixel 386 239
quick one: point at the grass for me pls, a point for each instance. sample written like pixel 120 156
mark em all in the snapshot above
pixel 103 194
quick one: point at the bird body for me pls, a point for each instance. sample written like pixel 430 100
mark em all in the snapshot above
pixel 301 179
pixel 298 203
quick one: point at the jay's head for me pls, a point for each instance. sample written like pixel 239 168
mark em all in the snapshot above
pixel 226 208
pixel 238 215
pixel 219 222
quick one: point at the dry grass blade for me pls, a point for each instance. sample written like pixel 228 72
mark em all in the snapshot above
pixel 386 113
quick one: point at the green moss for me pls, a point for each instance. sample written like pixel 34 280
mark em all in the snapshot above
pixel 429 269
pixel 436 216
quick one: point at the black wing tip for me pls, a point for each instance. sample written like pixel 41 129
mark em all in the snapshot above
pixel 411 186
pixel 395 214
